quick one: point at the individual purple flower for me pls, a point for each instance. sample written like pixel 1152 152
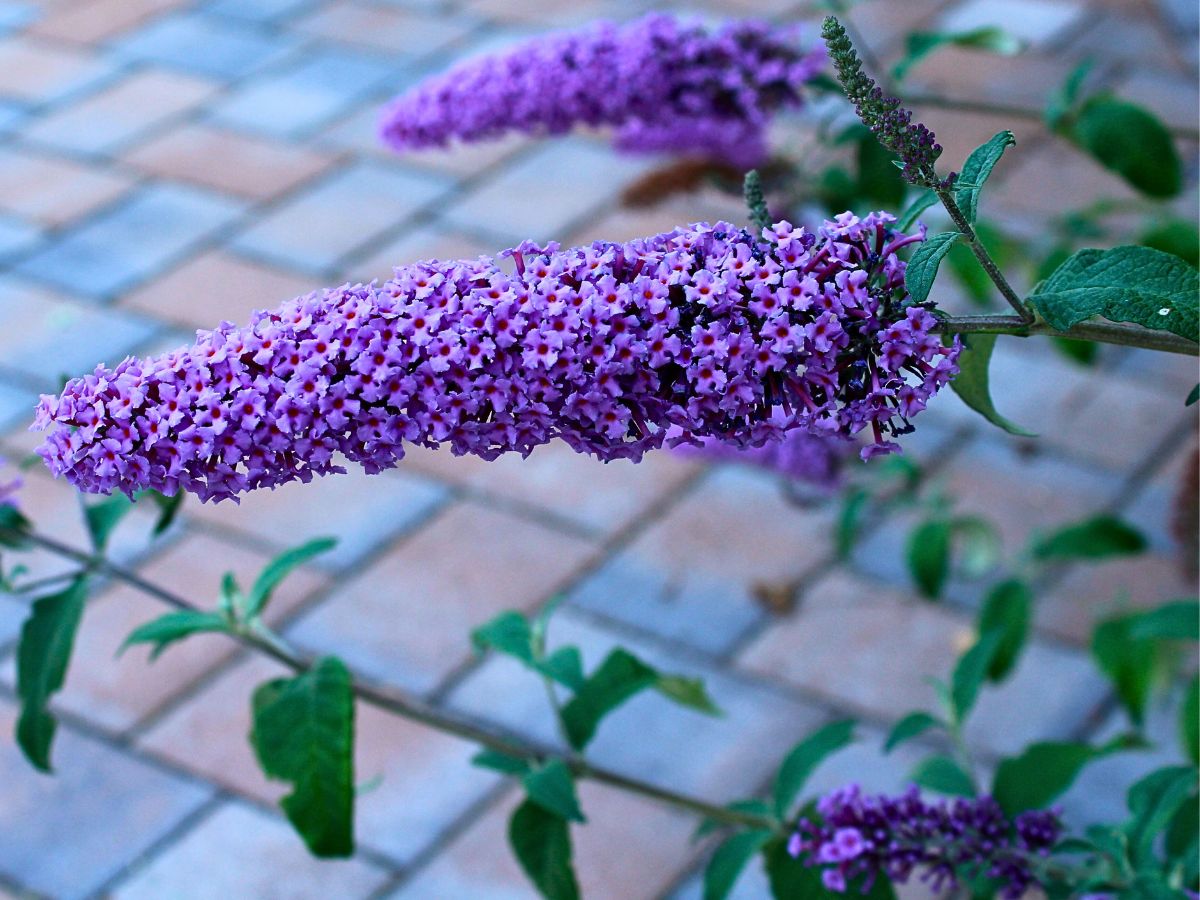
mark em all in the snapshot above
pixel 663 84
pixel 9 486
pixel 601 346
pixel 858 839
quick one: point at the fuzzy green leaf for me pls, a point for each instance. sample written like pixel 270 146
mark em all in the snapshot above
pixel 928 555
pixel 303 733
pixel 944 775
pixel 1148 287
pixel 43 654
pixel 1130 141
pixel 1178 621
pixel 619 677
pixel 923 267
pixel 911 726
pixel 799 764
pixel 541 841
pixel 172 627
pixel 552 787
pixel 729 859
pixel 976 171
pixel 1038 775
pixel 279 568
pixel 972 670
pixel 1178 237
pixel 971 382
pixel 1006 610
pixel 1131 664
pixel 1099 537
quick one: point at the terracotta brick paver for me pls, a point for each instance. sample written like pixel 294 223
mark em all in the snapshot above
pixel 166 165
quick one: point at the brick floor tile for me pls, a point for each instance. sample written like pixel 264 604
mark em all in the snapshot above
pixel 60 835
pixel 1023 79
pixel 718 758
pixel 97 20
pixel 16 15
pixel 427 242
pixel 600 497
pixel 105 121
pixel 314 230
pixel 117 249
pixel 12 613
pixel 884 25
pixel 52 190
pixel 45 337
pixel 690 577
pixel 17 236
pixel 1036 21
pixel 305 95
pixel 362 511
pixel 961 132
pixel 1168 372
pixel 249 167
pixel 1072 608
pixel 240 851
pixel 404 33
pixel 1153 509
pixel 546 192
pixel 40 72
pixel 117 694
pixel 217 286
pixel 630 848
pixel 260 11
pixel 1172 97
pixel 16 406
pixel 407 618
pixel 1055 178
pixel 12 115
pixel 1130 39
pixel 212 46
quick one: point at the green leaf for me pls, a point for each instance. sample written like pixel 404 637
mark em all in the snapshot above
pixel 1129 140
pixel 541 841
pixel 500 762
pixel 168 508
pixel 1189 722
pixel 1148 287
pixel 920 44
pixel 1193 396
pixel 619 677
pixel 552 787
pixel 928 556
pixel 1006 610
pixel 1178 237
pixel 564 665
pixel 799 764
pixel 971 276
pixel 1040 774
pixel 103 518
pixel 43 655
pixel 977 545
pixel 944 775
pixel 971 382
pixel 754 806
pixel 878 181
pixel 791 878
pixel 1178 621
pixel 911 726
pixel 1065 98
pixel 172 627
pixel 854 505
pixel 1099 537
pixel 1182 842
pixel 1131 664
pixel 1082 352
pixel 689 692
pixel 303 733
pixel 729 859
pixel 13 528
pixel 279 568
pixel 923 267
pixel 976 171
pixel 972 670
pixel 1153 802
pixel 509 633
pixel 909 217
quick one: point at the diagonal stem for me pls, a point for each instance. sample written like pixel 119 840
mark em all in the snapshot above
pixel 981 254
pixel 1100 332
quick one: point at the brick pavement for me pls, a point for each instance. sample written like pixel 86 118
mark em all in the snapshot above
pixel 167 164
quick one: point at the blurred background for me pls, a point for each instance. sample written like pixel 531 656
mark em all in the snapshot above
pixel 166 164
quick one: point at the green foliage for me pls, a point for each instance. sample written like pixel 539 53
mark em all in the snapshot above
pixel 13 528
pixel 972 670
pixel 753 806
pixel 278 569
pixel 800 762
pixel 552 787
pixel 172 627
pixel 971 382
pixel 945 776
pixel 790 878
pixel 1100 537
pixel 974 281
pixel 500 762
pixel 1067 96
pixel 875 181
pixel 976 171
pixel 923 267
pixel 103 517
pixel 1006 611
pixel 928 556
pixel 729 859
pixel 911 726
pixel 43 655
pixel 752 190
pixel 1178 237
pixel 1189 722
pixel 541 841
pixel 168 508
pixel 1132 665
pixel 909 217
pixel 1153 802
pixel 1177 621
pixel 1043 772
pixel 1193 396
pixel 1148 287
pixel 1128 140
pixel 920 44
pixel 512 634
pixel 303 733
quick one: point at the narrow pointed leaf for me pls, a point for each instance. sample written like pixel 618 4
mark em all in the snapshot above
pixel 552 787
pixel 729 859
pixel 1178 621
pixel 972 381
pixel 799 764
pixel 1130 141
pixel 279 568
pixel 1040 774
pixel 1006 610
pixel 972 670
pixel 977 169
pixel 689 692
pixel 103 518
pixel 1189 722
pixel 928 555
pixel 541 841
pixel 923 267
pixel 1099 537
pixel 172 627
pixel 619 677
pixel 500 762
pixel 943 775
pixel 911 726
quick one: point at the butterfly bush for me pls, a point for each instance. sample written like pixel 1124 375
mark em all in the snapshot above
pixel 860 838
pixel 705 332
pixel 665 85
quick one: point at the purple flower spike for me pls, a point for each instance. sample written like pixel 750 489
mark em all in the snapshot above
pixel 945 842
pixel 703 333
pixel 665 85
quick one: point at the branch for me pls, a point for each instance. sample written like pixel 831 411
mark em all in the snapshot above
pixel 1100 332
pixel 411 707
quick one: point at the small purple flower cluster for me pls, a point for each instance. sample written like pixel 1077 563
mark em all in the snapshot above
pixel 665 85
pixel 860 838
pixel 799 456
pixel 703 332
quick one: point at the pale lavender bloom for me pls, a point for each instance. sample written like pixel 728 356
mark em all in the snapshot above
pixel 663 84
pixel 598 346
